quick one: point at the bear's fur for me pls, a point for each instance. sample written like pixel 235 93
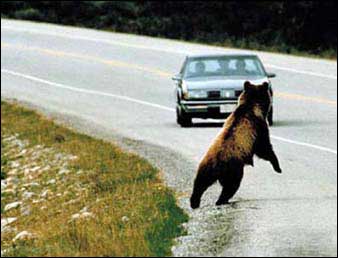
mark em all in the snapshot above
pixel 245 133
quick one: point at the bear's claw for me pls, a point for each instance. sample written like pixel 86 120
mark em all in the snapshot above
pixel 222 202
pixel 194 204
pixel 278 170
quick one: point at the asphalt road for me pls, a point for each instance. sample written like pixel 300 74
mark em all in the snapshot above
pixel 118 85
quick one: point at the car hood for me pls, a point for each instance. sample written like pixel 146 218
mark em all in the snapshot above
pixel 233 82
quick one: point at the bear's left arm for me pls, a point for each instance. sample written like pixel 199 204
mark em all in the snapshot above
pixel 263 147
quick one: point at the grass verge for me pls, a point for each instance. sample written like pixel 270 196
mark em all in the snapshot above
pixel 79 196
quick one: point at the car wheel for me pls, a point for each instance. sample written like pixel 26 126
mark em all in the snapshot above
pixel 182 118
pixel 270 117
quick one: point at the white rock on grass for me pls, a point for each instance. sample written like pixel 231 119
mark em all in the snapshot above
pixel 25 211
pixel 63 171
pixel 21 144
pixel 9 138
pixel 59 156
pixel 10 191
pixel 4 252
pixel 48 167
pixel 3 185
pixel 27 195
pixel 14 164
pixel 79 172
pixel 12 172
pixel 51 182
pixel 12 205
pixel 70 202
pixel 76 216
pixel 22 152
pixel 84 209
pixel 23 236
pixel 45 193
pixel 72 157
pixel 38 201
pixel 6 222
pixel 12 180
pixel 26 172
pixel 83 215
pixel 125 219
pixel 34 169
pixel 32 184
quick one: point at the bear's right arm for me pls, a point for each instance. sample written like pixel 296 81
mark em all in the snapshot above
pixel 263 146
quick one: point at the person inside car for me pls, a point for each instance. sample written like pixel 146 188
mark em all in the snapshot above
pixel 241 68
pixel 200 69
pixel 224 68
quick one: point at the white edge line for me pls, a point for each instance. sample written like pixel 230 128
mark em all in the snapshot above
pixel 110 42
pixel 301 72
pixel 63 86
pixel 304 144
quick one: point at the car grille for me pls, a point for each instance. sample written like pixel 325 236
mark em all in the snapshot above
pixel 214 94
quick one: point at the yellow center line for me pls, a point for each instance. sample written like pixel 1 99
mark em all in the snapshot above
pixel 157 72
pixel 115 63
pixel 304 98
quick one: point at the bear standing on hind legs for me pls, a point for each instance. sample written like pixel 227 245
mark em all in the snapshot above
pixel 245 133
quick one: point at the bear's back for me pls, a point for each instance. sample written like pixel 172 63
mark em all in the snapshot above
pixel 234 141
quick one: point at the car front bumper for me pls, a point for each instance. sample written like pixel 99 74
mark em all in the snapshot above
pixel 206 108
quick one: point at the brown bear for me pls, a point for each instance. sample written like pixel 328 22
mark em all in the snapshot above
pixel 245 133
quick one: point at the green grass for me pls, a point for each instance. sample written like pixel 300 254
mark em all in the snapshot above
pixel 116 185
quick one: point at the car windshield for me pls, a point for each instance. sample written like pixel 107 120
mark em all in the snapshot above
pixel 223 66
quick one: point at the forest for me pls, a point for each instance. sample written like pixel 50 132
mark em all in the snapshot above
pixel 295 27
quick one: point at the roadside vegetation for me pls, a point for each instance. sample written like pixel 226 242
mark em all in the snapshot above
pixel 295 27
pixel 68 194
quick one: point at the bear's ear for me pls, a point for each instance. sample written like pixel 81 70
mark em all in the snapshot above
pixel 247 86
pixel 265 86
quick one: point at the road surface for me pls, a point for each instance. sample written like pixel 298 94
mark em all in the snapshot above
pixel 117 85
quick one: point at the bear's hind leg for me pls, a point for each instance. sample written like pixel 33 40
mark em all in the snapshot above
pixel 231 181
pixel 202 182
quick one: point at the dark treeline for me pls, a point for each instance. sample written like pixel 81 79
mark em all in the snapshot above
pixel 286 26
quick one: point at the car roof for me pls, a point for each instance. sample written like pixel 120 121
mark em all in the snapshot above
pixel 221 55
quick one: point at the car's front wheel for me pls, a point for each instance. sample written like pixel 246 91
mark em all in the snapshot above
pixel 182 118
pixel 270 117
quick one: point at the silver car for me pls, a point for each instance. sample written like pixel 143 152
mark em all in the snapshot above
pixel 208 86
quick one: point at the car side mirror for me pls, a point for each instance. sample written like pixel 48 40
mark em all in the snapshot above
pixel 271 75
pixel 177 78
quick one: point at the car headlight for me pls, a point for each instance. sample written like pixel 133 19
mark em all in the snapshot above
pixel 197 94
pixel 228 93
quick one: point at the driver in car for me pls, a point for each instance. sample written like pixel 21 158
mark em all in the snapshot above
pixel 241 68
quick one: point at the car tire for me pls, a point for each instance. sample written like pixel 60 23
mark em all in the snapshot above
pixel 270 117
pixel 182 118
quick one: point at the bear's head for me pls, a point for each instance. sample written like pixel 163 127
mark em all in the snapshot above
pixel 257 95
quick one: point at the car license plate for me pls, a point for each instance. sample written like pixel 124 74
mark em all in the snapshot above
pixel 228 108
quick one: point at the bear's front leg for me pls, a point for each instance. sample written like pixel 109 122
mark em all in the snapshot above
pixel 263 148
pixel 268 154
pixel 274 161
